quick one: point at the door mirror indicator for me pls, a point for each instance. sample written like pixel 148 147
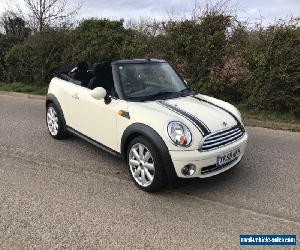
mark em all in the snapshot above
pixel 98 93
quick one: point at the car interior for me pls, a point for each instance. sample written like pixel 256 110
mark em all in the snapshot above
pixel 89 76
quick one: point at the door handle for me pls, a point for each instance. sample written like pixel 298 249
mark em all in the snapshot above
pixel 75 96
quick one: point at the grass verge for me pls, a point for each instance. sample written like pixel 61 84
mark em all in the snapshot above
pixel 270 119
pixel 23 88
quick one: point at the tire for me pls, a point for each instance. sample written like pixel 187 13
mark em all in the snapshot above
pixel 148 175
pixel 54 122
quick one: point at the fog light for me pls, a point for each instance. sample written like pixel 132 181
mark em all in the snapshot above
pixel 188 170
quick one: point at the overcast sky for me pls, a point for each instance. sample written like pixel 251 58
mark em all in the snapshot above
pixel 134 9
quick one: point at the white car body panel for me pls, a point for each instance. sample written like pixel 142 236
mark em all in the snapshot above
pixel 157 117
pixel 91 117
pixel 95 119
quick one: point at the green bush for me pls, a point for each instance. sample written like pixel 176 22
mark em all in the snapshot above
pixel 18 61
pixel 34 60
pixel 6 42
pixel 98 40
pixel 217 54
pixel 274 58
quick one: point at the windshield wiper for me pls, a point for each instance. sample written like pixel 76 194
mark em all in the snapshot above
pixel 183 92
pixel 186 91
pixel 159 94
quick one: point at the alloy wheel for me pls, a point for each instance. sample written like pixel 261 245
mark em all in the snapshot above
pixel 141 164
pixel 52 121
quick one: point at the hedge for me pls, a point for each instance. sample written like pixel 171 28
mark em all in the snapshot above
pixel 214 52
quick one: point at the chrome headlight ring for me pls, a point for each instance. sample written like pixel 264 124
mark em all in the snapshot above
pixel 179 134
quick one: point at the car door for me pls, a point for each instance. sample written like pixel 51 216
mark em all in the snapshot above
pixel 67 94
pixel 95 119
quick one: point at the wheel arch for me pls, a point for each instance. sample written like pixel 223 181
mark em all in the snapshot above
pixel 52 99
pixel 140 129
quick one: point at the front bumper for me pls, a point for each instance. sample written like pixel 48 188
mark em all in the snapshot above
pixel 205 159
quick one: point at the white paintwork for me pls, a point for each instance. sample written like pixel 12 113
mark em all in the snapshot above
pixel 98 93
pixel 101 122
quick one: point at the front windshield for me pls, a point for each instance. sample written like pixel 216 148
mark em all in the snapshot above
pixel 147 81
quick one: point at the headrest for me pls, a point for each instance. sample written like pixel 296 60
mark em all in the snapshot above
pixel 82 66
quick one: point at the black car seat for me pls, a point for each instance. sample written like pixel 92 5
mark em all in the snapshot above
pixel 103 78
pixel 81 74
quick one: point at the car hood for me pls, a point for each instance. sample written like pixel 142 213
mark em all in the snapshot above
pixel 202 114
pixel 211 117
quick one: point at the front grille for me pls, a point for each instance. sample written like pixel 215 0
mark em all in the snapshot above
pixel 222 138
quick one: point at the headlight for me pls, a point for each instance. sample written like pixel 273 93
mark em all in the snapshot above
pixel 179 134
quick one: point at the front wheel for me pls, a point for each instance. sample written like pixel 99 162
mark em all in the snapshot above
pixel 54 122
pixel 145 166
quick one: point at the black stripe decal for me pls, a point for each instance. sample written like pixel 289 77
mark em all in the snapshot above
pixel 234 117
pixel 204 130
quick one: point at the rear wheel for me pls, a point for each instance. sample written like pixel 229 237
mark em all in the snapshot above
pixel 145 166
pixel 54 122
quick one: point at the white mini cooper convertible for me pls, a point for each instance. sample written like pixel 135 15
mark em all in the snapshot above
pixel 143 111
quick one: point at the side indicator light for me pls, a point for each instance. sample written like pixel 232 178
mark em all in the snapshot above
pixel 124 114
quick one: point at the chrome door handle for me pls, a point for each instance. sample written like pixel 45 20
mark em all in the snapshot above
pixel 75 96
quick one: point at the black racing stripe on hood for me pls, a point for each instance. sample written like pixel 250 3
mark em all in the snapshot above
pixel 204 130
pixel 234 117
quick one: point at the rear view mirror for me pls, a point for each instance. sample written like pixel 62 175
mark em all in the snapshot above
pixel 98 93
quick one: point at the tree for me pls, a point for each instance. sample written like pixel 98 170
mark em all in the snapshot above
pixel 14 25
pixel 48 13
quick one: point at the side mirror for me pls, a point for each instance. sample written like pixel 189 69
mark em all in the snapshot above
pixel 98 93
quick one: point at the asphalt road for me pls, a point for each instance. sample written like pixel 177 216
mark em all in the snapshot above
pixel 69 194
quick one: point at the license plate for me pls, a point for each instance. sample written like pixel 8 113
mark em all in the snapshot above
pixel 228 157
